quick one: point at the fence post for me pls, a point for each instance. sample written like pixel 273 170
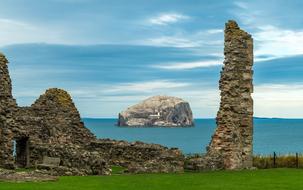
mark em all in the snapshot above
pixel 275 159
pixel 297 160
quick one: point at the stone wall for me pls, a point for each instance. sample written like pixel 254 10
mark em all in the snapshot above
pixel 52 127
pixel 52 121
pixel 74 160
pixel 231 145
pixel 140 157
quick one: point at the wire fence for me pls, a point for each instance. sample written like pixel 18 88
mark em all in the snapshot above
pixel 274 160
pixel 278 161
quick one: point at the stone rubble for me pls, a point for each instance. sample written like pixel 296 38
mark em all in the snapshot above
pixel 26 176
pixel 139 157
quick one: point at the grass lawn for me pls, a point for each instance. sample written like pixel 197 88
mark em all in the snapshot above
pixel 270 179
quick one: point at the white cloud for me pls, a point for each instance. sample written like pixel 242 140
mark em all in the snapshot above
pixel 278 100
pixel 171 41
pixel 275 42
pixel 179 37
pixel 211 38
pixel 10 23
pixel 189 65
pixel 108 91
pixel 17 32
pixel 271 42
pixel 167 18
pixel 214 31
pixel 148 86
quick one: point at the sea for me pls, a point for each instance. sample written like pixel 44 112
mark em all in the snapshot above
pixel 283 136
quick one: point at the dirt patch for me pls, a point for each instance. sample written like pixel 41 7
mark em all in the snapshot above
pixel 25 176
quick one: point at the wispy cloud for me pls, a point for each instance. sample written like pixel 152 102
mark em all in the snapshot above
pixel 14 31
pixel 10 22
pixel 170 41
pixel 146 86
pixel 278 42
pixel 167 18
pixel 130 89
pixel 188 65
pixel 278 100
pixel 211 38
pixel 214 31
pixel 271 41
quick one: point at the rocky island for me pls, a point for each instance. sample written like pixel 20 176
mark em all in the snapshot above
pixel 163 111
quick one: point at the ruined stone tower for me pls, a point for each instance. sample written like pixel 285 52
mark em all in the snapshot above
pixel 7 108
pixel 231 145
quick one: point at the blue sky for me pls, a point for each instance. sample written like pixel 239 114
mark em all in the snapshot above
pixel 112 54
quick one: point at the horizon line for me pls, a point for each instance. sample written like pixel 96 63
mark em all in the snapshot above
pixel 257 117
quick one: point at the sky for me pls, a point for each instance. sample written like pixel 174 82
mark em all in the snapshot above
pixel 110 55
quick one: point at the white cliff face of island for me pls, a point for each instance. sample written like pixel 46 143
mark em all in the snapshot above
pixel 158 111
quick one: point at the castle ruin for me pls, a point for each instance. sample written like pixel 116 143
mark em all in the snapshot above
pixel 52 127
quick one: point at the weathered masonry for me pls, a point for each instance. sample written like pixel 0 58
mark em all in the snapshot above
pixel 52 120
pixel 231 145
pixel 52 127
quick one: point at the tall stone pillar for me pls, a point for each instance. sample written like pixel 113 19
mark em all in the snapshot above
pixel 231 145
pixel 7 108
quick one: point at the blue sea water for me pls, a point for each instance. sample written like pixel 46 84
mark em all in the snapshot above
pixel 280 135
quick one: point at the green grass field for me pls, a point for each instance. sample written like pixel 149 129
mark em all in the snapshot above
pixel 273 179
